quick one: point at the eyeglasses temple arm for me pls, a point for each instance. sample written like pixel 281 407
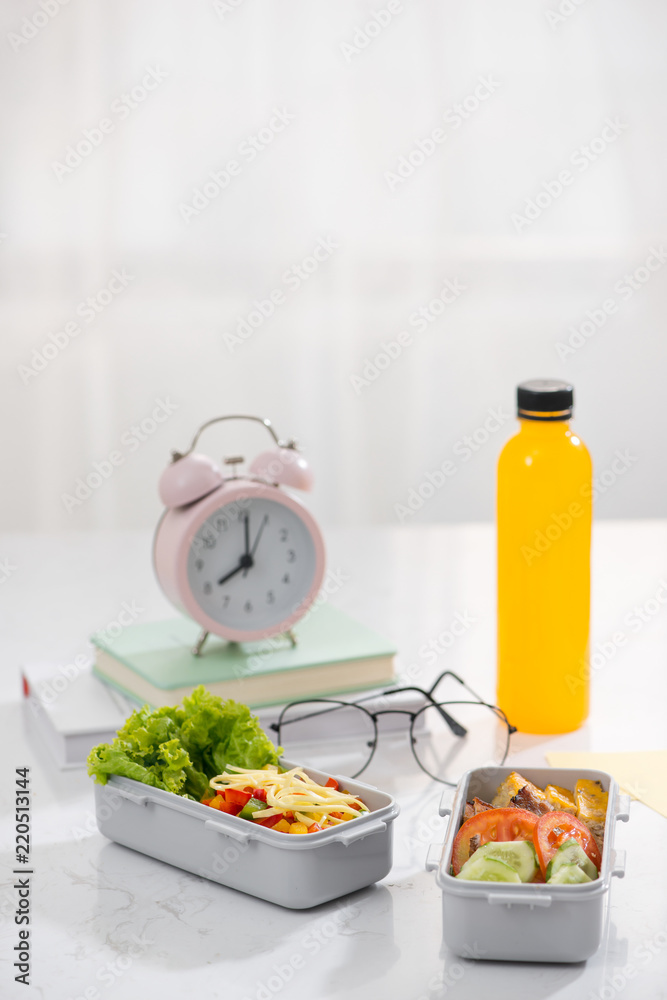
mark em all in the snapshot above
pixel 455 726
pixel 450 673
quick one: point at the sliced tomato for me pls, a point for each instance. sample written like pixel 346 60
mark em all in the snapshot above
pixel 492 824
pixel 554 828
pixel 237 797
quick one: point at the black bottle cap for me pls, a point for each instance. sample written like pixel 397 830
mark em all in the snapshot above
pixel 544 399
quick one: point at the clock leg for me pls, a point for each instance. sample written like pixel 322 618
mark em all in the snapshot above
pixel 201 639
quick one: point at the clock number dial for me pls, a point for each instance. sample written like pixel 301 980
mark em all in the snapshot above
pixel 237 564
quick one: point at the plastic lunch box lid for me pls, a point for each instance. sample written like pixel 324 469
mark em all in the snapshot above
pixel 617 809
pixel 382 806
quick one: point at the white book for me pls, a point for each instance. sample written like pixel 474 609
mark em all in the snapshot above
pixel 70 710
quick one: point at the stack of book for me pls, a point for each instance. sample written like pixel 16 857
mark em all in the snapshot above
pixel 73 710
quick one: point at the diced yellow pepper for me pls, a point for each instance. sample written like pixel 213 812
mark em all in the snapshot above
pixel 297 828
pixel 282 826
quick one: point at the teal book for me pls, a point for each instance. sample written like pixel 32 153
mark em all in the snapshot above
pixel 334 654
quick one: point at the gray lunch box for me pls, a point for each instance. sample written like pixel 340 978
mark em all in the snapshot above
pixel 528 922
pixel 293 871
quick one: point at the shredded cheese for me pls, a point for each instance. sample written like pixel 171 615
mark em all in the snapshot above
pixel 292 791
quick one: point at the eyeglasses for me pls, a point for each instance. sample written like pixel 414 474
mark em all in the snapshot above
pixel 446 737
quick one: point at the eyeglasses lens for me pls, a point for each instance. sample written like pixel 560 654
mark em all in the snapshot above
pixel 331 737
pixel 445 756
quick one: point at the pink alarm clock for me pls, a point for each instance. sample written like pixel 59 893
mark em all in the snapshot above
pixel 240 554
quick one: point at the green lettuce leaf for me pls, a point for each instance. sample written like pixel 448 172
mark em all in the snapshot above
pixel 179 748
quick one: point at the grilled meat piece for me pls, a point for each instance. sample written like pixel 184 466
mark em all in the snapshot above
pixel 476 806
pixel 532 798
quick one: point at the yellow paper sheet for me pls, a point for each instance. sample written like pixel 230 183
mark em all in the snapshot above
pixel 642 774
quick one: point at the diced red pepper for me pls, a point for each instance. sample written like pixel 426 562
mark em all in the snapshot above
pixel 331 783
pixel 314 828
pixel 236 797
pixel 269 820
pixel 258 793
pixel 229 807
pixel 337 815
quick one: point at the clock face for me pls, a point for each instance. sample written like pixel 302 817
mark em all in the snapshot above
pixel 251 564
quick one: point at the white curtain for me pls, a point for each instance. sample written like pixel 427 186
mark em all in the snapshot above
pixel 405 141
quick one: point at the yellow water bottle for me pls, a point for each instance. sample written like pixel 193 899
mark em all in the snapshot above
pixel 544 507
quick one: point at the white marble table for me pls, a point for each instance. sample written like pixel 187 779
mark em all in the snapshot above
pixel 108 922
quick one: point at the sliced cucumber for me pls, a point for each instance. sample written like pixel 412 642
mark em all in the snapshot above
pixel 518 854
pixel 569 875
pixel 488 870
pixel 571 853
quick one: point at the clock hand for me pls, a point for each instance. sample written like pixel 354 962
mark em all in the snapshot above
pixel 247 554
pixel 245 563
pixel 259 535
pixel 247 534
